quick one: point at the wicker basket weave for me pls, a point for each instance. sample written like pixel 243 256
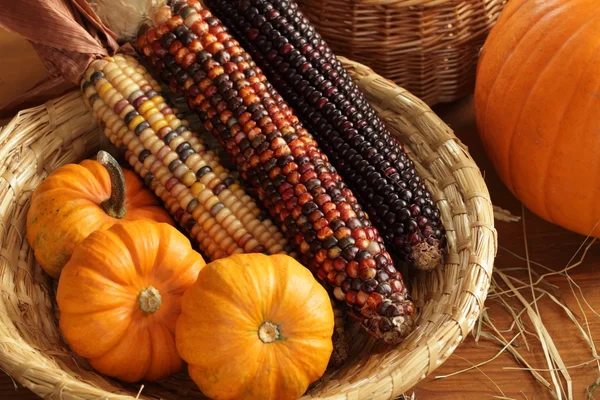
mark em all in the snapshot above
pixel 32 351
pixel 429 47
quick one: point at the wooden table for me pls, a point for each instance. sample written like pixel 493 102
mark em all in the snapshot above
pixel 548 245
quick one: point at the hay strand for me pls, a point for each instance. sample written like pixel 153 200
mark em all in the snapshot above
pixel 504 215
pixel 481 364
pixel 592 388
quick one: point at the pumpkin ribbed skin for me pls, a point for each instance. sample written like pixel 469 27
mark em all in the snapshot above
pixel 107 313
pixel 219 331
pixel 66 207
pixel 537 103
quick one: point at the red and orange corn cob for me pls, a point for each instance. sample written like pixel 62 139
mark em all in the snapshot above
pixel 279 160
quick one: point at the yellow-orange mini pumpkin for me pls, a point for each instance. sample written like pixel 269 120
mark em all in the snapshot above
pixel 120 295
pixel 537 103
pixel 255 327
pixel 78 199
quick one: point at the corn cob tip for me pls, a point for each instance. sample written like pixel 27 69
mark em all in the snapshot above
pixel 404 325
pixel 341 349
pixel 427 257
pixel 394 320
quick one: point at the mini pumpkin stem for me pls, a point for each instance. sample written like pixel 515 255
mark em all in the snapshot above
pixel 268 332
pixel 115 204
pixel 149 300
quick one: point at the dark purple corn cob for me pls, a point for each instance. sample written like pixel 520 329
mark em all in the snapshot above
pixel 307 74
pixel 344 83
pixel 281 162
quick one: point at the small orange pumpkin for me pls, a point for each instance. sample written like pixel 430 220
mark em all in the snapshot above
pixel 255 327
pixel 120 295
pixel 78 199
pixel 537 102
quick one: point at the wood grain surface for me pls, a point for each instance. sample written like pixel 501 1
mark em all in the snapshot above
pixel 548 245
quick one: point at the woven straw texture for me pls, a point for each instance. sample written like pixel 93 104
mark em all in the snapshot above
pixel 429 47
pixel 450 299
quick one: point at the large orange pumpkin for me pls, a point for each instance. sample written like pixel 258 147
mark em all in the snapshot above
pixel 78 199
pixel 255 327
pixel 537 102
pixel 120 295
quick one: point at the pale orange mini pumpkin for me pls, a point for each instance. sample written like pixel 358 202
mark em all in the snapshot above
pixel 120 295
pixel 78 199
pixel 255 327
pixel 537 102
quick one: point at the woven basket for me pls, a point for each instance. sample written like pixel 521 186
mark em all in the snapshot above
pixel 429 47
pixel 450 299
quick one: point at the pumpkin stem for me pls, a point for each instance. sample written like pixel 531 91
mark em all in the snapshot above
pixel 115 204
pixel 268 332
pixel 149 300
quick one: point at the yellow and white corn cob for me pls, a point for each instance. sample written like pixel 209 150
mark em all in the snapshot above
pixel 174 162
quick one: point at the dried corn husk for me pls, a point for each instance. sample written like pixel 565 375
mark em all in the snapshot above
pixel 66 34
pixel 124 17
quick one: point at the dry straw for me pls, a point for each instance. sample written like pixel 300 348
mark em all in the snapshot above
pixel 429 47
pixel 522 292
pixel 450 299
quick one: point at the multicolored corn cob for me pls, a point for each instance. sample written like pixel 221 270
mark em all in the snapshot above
pixel 307 74
pixel 196 56
pixel 197 190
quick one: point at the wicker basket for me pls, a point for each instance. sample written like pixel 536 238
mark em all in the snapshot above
pixel 450 299
pixel 429 47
